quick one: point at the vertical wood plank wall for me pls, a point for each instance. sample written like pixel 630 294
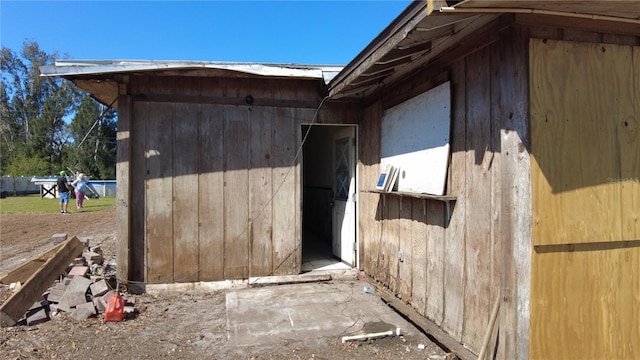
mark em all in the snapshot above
pixel 451 267
pixel 457 267
pixel 215 189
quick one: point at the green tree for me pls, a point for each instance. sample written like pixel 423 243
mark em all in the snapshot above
pixel 32 110
pixel 93 130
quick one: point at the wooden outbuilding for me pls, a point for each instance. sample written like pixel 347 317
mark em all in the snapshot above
pixel 515 126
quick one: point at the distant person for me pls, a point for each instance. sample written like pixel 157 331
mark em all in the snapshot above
pixel 80 185
pixel 63 192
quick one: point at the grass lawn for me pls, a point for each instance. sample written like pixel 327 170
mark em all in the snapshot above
pixel 33 204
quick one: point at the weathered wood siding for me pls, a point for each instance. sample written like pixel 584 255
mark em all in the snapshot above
pixel 451 268
pixel 214 180
pixel 455 268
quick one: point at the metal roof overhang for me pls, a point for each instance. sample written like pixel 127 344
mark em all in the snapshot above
pixel 426 29
pixel 101 78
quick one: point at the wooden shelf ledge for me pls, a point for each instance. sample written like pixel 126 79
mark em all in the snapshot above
pixel 445 198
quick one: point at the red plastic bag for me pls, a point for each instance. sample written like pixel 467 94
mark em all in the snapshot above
pixel 115 309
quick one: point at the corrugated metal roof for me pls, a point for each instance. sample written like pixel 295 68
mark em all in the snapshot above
pixel 94 67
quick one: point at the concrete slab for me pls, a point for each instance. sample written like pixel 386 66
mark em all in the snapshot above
pixel 70 299
pixel 85 240
pixel 79 271
pixel 78 283
pixel 81 314
pixel 58 238
pixel 38 317
pixel 267 315
pixel 99 288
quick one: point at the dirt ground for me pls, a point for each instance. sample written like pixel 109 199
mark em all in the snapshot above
pixel 165 326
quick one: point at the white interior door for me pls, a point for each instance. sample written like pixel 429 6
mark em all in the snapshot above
pixel 344 192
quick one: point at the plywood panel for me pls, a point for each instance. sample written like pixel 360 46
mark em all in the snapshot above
pixel 628 130
pixel 585 303
pixel 435 264
pixel 285 246
pixel 260 191
pixel 574 141
pixel 236 179
pixel 586 291
pixel 478 200
pixel 455 233
pixel 417 132
pixel 211 193
pixel 186 185
pixel 159 193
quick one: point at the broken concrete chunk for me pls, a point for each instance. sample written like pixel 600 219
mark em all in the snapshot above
pixel 99 288
pixel 56 292
pixel 79 271
pixel 93 257
pixel 79 284
pixel 71 299
pixel 53 309
pixel 55 295
pixel 97 269
pixel 99 304
pixel 84 240
pixel 104 299
pixel 37 305
pixel 87 305
pixel 82 313
pixel 58 238
pixel 37 317
pixel 15 286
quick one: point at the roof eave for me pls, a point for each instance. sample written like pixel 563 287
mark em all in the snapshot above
pixel 387 39
pixel 366 74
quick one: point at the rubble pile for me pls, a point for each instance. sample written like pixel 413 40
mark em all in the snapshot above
pixel 83 290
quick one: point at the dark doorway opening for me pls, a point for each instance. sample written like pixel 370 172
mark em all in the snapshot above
pixel 318 199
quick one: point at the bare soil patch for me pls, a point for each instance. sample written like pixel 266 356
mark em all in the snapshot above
pixel 173 325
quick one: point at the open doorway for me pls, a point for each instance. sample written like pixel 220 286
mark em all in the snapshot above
pixel 328 196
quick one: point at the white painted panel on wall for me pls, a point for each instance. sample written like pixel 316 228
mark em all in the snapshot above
pixel 415 138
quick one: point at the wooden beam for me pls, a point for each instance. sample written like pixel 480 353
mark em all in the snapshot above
pixel 23 272
pixel 596 26
pixel 123 188
pixel 408 52
pixel 435 5
pixel 225 100
pixel 425 325
pixel 17 305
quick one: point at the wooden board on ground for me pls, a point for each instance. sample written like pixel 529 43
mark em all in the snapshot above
pixel 17 305
pixel 23 272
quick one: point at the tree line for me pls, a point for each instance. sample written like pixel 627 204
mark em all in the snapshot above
pixel 47 124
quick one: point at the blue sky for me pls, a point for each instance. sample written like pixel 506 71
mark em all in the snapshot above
pixel 301 32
